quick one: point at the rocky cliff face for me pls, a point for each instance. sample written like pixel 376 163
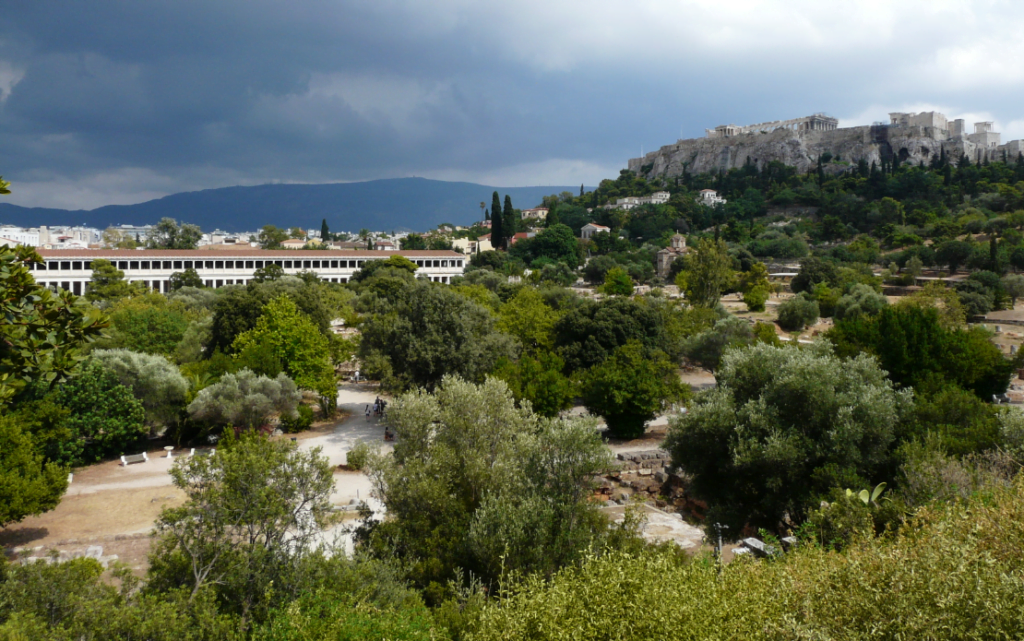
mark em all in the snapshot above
pixel 798 149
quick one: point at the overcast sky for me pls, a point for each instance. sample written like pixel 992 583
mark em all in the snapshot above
pixel 121 101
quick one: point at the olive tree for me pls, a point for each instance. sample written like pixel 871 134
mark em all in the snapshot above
pixel 476 483
pixel 153 380
pixel 253 511
pixel 244 399
pixel 782 427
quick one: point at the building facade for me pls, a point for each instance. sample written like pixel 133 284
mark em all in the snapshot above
pixel 71 269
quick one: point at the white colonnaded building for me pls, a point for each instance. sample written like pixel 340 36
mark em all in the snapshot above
pixel 71 269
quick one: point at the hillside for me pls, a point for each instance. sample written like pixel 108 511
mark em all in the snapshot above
pixel 415 204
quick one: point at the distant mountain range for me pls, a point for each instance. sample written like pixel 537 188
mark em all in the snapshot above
pixel 398 204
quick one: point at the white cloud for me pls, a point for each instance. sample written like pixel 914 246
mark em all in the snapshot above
pixel 10 76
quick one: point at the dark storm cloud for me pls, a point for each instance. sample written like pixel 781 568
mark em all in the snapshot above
pixel 118 101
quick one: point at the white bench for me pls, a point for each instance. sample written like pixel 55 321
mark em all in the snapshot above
pixel 134 458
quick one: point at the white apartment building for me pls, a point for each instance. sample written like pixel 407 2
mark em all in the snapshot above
pixel 71 269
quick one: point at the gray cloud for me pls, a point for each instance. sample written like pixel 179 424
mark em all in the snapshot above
pixel 114 101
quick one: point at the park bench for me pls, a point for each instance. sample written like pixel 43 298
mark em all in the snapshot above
pixel 134 458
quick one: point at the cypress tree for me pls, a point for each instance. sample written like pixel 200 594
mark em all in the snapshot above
pixel 581 190
pixel 552 218
pixel 497 229
pixel 508 222
pixel 325 233
pixel 487 214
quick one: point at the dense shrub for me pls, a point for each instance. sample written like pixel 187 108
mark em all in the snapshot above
pixel 958 569
pixel 782 428
pixel 797 313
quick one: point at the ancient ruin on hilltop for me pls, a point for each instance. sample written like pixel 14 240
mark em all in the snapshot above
pixel 912 137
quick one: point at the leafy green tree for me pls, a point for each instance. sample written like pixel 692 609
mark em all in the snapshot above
pixel 271 237
pixel 254 511
pixel 617 282
pixel 269 272
pixel 298 233
pixel 782 427
pixel 430 332
pixel 953 254
pixel 108 284
pixel 498 232
pixel 187 278
pixel 707 348
pixel 708 272
pixel 755 298
pixel 29 484
pixel 168 234
pixel 629 388
pixel 146 323
pixel 558 274
pixel 413 241
pixel 556 243
pixel 371 267
pixel 1013 285
pixel 4 187
pixel 479 485
pixel 528 318
pixel 294 339
pixel 798 313
pixel 511 220
pixel 913 347
pixel 154 381
pixel 539 380
pixel 814 271
pixel 43 332
pixel 590 332
pixel 245 399
pixel 105 418
pixel 861 300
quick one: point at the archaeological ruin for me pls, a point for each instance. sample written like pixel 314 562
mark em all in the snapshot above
pixel 800 142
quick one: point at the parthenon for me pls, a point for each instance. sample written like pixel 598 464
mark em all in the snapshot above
pixel 815 122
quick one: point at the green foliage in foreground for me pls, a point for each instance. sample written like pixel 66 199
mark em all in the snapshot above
pixel 28 484
pixel 43 332
pixel 956 572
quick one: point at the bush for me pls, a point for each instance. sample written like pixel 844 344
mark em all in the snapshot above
pixel 797 313
pixel 358 456
pixel 862 299
pixel 784 426
pixel 154 381
pixel 244 399
pixel 957 569
pixel 301 422
pixel 755 299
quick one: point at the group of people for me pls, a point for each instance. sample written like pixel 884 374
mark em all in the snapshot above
pixel 379 406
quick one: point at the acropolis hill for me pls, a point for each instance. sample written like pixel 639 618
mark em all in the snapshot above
pixel 913 137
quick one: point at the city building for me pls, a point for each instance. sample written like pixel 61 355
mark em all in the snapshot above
pixel 710 198
pixel 538 213
pixel 71 269
pixel 590 229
